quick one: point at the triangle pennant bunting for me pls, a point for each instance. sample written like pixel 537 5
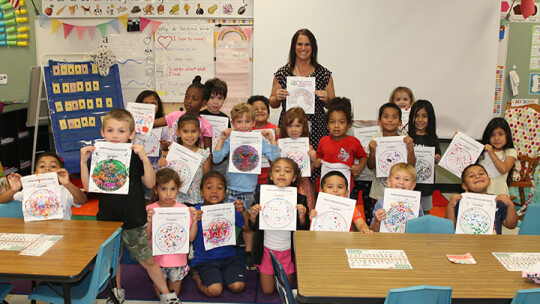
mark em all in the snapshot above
pixel 114 23
pixel 43 19
pixel 123 20
pixel 103 28
pixel 155 25
pixel 91 31
pixel 55 25
pixel 67 29
pixel 144 22
pixel 80 31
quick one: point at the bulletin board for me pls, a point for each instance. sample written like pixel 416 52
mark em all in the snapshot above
pixel 78 98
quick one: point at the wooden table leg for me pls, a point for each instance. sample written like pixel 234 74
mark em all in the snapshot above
pixel 67 293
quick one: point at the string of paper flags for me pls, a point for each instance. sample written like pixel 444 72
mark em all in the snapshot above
pixel 11 16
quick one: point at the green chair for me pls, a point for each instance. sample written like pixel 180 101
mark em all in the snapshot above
pixel 527 296
pixel 420 294
pixel 429 224
pixel 11 209
pixel 4 290
pixel 531 221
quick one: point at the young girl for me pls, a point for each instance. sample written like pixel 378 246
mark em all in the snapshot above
pixel 403 97
pixel 422 129
pixel 173 266
pixel 284 172
pixel 335 183
pixel 294 124
pixel 189 136
pixel 338 147
pixel 499 156
pixel 47 162
pixel 193 102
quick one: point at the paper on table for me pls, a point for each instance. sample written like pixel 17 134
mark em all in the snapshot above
pixel 16 241
pixel 517 261
pixel 490 166
pixel 377 259
pixel 425 164
pixel 278 208
pixel 218 125
pixel 301 93
pixel 150 142
pixel 185 162
pixel 41 245
pixel 170 230
pixel 334 213
pixel 297 149
pixel 143 114
pixel 390 151
pixel 476 214
pixel 329 167
pixel 400 206
pixel 109 168
pixel 265 163
pixel 218 224
pixel 462 151
pixel 43 197
pixel 466 258
pixel 245 152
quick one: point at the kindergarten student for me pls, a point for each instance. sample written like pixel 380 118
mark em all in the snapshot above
pixel 294 124
pixel 284 172
pixel 47 162
pixel 334 182
pixel 403 97
pixel 193 102
pixel 402 176
pixel 338 147
pixel 423 130
pixel 119 127
pixel 188 134
pixel 499 147
pixel 214 268
pixel 476 180
pixel 173 266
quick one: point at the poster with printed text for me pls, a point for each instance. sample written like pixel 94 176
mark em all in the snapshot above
pixel 364 135
pixel 476 214
pixel 329 167
pixel 425 164
pixel 400 206
pixel 462 151
pixel 170 230
pixel 390 150
pixel 218 224
pixel 265 163
pixel 150 142
pixel 143 114
pixel 245 155
pixel 404 118
pixel 278 208
pixel 185 162
pixel 301 93
pixel 297 149
pixel 43 197
pixel 109 168
pixel 489 165
pixel 334 213
pixel 218 125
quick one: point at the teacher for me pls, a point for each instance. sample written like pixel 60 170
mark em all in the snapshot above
pixel 303 63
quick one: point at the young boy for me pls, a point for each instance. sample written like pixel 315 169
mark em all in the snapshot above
pixel 119 127
pixel 389 121
pixel 402 176
pixel 242 186
pixel 476 180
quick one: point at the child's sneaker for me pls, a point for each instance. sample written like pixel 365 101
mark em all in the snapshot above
pixel 120 295
pixel 169 298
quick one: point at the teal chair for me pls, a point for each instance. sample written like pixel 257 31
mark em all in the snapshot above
pixel 11 209
pixel 86 290
pixel 282 283
pixel 527 296
pixel 531 221
pixel 430 224
pixel 420 294
pixel 4 290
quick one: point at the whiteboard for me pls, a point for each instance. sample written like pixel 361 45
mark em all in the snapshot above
pixel 445 51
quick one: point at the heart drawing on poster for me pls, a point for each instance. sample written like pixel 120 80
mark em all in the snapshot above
pixel 165 41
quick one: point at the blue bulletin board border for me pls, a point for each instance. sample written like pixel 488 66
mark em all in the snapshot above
pixel 78 98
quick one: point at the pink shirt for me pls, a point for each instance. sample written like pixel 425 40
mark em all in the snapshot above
pixel 169 260
pixel 172 122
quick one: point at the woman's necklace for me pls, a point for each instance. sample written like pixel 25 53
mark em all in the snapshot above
pixel 298 72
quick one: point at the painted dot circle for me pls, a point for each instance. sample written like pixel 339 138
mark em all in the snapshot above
pixel 475 221
pixel 218 232
pixel 330 221
pixel 388 159
pixel 43 204
pixel 182 169
pixel 458 159
pixel 299 97
pixel 277 213
pixel 397 216
pixel 245 158
pixel 110 175
pixel 424 170
pixel 170 237
pixel 299 158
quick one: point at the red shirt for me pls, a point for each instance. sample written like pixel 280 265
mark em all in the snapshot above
pixel 262 179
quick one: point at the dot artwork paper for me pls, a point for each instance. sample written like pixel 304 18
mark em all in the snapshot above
pixel 301 93
pixel 334 213
pixel 462 151
pixel 245 152
pixel 278 208
pixel 109 169
pixel 425 164
pixel 218 125
pixel 143 114
pixel 400 206
pixel 364 135
pixel 390 151
pixel 327 167
pixel 265 163
pixel 297 150
pixel 218 225
pixel 476 214
pixel 185 162
pixel 170 230
pixel 42 197
pixel 150 142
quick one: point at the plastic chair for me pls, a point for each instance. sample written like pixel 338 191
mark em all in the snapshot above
pixel 4 290
pixel 420 294
pixel 527 296
pixel 86 290
pixel 430 224
pixel 11 209
pixel 531 221
pixel 282 283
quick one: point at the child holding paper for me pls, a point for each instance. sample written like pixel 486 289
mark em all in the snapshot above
pixel 402 176
pixel 173 266
pixel 219 266
pixel 284 172
pixel 119 127
pixel 47 162
pixel 475 179
pixel 334 182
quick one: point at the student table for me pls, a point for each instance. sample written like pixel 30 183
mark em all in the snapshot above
pixel 324 275
pixel 65 262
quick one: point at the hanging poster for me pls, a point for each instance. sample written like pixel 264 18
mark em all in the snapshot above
pixel 218 125
pixel 185 162
pixel 400 206
pixel 151 142
pixel 109 168
pixel 135 56
pixel 476 214
pixel 301 93
pixel 462 151
pixel 170 230
pixel 143 114
pixel 329 167
pixel 43 197
pixel 297 149
pixel 334 213
pixel 278 208
pixel 390 151
pixel 425 164
pixel 245 152
pixel 218 224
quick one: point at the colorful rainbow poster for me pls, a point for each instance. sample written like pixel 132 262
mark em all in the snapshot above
pixel 400 206
pixel 476 214
pixel 109 168
pixel 301 93
pixel 218 224
pixel 334 213
pixel 43 197
pixel 278 208
pixel 170 230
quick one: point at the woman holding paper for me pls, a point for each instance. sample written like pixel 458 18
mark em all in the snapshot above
pixel 303 63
